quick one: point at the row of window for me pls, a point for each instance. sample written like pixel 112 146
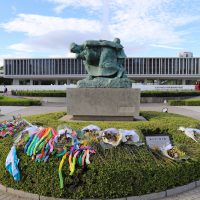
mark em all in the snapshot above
pixel 44 67
pixel 162 65
pixel 75 66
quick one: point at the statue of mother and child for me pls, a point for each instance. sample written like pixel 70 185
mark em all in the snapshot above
pixel 103 61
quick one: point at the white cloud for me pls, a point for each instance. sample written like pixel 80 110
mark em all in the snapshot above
pixel 37 25
pixel 21 47
pixel 166 47
pixel 138 23
pixel 70 55
pixel 53 41
pixel 66 55
pixel 149 21
pixel 89 4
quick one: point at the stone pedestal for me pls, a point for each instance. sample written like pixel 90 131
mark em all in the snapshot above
pixel 103 103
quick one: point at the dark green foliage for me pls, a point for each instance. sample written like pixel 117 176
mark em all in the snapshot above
pixel 60 93
pixel 9 101
pixel 187 102
pixel 39 93
pixel 117 172
pixel 157 93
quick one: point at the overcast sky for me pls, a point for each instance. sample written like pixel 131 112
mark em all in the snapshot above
pixel 45 28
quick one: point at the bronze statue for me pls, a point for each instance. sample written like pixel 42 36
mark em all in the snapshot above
pixel 103 61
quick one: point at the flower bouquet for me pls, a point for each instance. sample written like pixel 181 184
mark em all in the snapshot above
pixel 65 138
pixel 91 133
pixel 171 152
pixel 112 136
pixel 130 137
pixel 193 133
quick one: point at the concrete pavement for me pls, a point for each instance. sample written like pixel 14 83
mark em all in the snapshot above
pixel 190 195
pixel 189 111
pixel 8 111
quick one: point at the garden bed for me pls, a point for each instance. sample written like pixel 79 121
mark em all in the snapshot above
pixel 113 173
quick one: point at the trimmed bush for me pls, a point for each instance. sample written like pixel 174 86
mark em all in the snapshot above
pixel 176 102
pixel 60 93
pixel 38 93
pixel 9 101
pixel 187 102
pixel 113 173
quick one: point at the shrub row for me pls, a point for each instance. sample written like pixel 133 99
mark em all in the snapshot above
pixel 9 101
pixel 113 173
pixel 187 102
pixel 60 93
pixel 38 93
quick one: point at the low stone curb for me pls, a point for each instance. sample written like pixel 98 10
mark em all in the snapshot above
pixel 152 196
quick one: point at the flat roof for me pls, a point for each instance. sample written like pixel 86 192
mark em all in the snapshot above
pixel 76 58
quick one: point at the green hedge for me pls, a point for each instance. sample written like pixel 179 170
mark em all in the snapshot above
pixel 60 93
pixel 114 173
pixel 169 93
pixel 9 101
pixel 38 93
pixel 187 102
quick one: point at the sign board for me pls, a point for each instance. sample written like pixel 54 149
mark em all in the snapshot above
pixel 146 87
pixel 157 141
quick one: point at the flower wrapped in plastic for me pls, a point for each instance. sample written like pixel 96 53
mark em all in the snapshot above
pixel 112 136
pixel 192 133
pixel 91 133
pixel 91 128
pixel 174 153
pixel 130 137
pixel 171 152
pixel 65 138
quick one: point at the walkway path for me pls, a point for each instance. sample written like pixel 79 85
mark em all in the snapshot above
pixel 190 195
pixel 194 112
pixel 189 111
pixel 9 111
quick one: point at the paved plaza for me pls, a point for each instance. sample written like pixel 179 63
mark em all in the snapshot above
pixel 8 111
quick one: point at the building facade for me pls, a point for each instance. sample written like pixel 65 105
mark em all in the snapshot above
pixel 179 70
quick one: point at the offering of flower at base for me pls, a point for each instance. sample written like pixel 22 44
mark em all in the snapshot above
pixel 112 136
pixel 171 152
pixel 192 133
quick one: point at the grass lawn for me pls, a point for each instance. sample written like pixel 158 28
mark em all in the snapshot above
pixel 10 101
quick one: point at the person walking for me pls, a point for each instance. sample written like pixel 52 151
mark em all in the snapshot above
pixel 5 91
